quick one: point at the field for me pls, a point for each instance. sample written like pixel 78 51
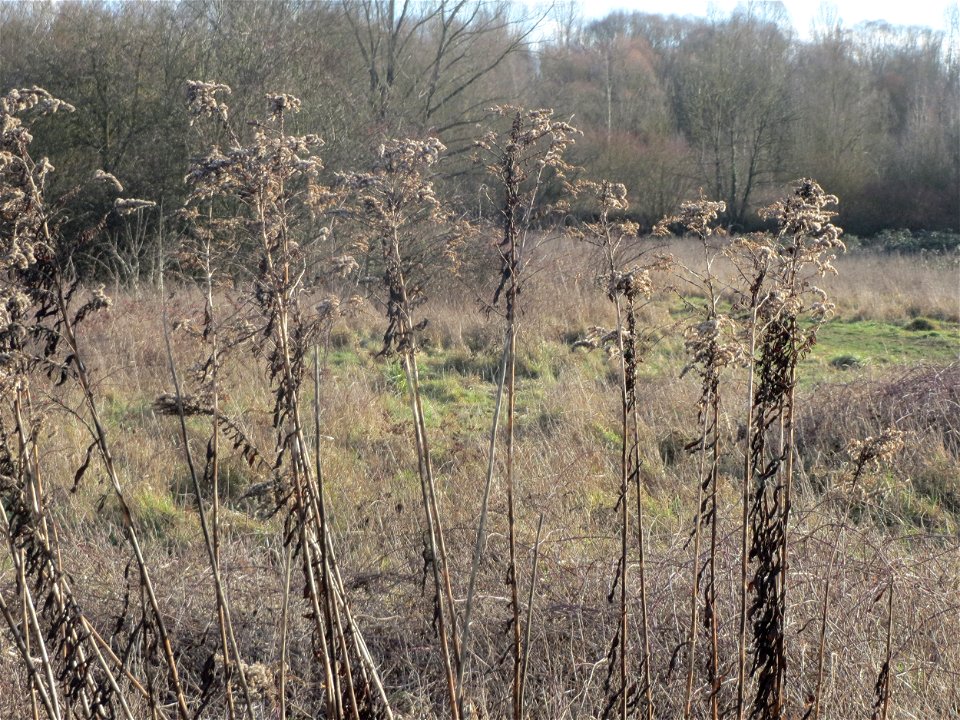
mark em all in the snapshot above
pixel 394 463
pixel 858 378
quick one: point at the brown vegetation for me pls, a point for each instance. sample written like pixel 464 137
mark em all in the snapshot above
pixel 249 497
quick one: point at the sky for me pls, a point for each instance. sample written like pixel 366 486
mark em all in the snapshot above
pixel 928 13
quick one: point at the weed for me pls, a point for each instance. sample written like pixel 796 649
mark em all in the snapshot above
pixel 444 515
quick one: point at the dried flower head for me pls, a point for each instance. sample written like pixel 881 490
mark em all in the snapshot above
pixel 407 231
pixel 328 309
pixel 267 166
pixel 202 100
pixel 877 450
pixel 280 104
pixel 343 265
pixel 712 344
pixel 108 178
pixel 803 226
pixel 27 222
pixel 398 189
pixel 695 216
pixel 535 142
pixel 127 206
pixel 600 338
pixel 631 284
pixel 606 194
pixel 18 101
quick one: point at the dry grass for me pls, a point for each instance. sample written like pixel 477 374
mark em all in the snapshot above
pixel 336 574
pixel 888 287
pixel 565 456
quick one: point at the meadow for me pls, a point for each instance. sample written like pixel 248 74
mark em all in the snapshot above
pixel 413 466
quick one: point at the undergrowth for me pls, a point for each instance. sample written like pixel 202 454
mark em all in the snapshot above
pixel 324 472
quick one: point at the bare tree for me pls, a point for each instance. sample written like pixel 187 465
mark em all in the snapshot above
pixel 731 101
pixel 429 65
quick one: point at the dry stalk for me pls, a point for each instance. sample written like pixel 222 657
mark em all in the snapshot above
pixel 520 160
pixel 34 551
pixel 711 346
pixel 625 286
pixel 43 320
pixel 803 248
pixel 751 255
pixel 869 451
pixel 881 705
pixel 530 601
pixel 408 229
pixel 273 181
pixel 228 643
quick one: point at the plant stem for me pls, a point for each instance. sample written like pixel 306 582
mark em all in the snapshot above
pixel 478 550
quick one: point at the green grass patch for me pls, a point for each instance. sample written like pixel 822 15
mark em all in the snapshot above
pixel 156 516
pixel 609 438
pixel 342 357
pixel 121 411
pixel 849 345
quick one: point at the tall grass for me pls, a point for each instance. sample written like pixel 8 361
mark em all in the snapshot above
pixel 674 527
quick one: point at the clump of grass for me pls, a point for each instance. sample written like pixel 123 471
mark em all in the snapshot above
pixel 920 324
pixel 846 362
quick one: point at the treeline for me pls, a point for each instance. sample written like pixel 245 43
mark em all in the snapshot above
pixel 735 106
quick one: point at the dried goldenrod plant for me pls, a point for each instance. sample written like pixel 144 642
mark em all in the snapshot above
pixel 409 234
pixel 259 191
pixel 751 255
pixel 43 308
pixel 788 316
pixel 51 614
pixel 712 345
pixel 271 189
pixel 628 285
pixel 872 451
pixel 881 689
pixel 522 160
